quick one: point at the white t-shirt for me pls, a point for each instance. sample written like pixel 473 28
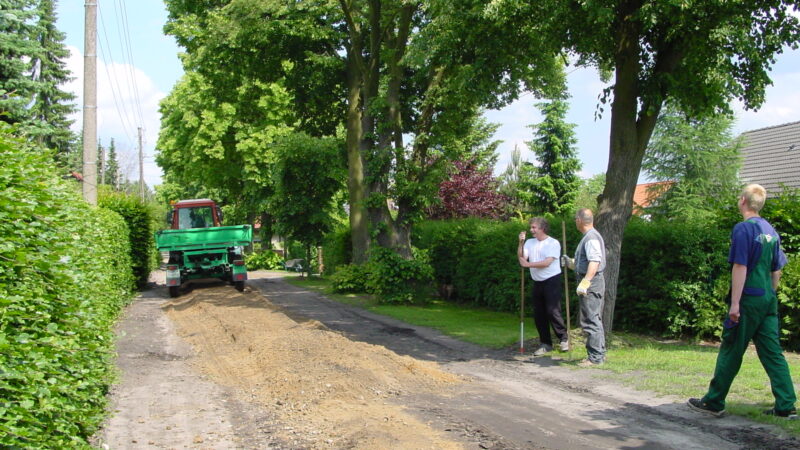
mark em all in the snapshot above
pixel 535 250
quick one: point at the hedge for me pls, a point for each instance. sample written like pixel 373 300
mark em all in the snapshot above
pixel 140 219
pixel 475 260
pixel 65 273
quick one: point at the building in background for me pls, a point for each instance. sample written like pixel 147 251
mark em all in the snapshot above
pixel 771 157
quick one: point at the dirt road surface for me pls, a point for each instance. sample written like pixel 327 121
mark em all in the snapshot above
pixel 279 367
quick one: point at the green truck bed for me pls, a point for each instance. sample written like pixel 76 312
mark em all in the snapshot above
pixel 203 238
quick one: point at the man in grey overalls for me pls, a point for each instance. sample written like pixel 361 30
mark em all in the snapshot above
pixel 589 263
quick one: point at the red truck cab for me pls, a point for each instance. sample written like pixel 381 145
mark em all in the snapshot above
pixel 196 213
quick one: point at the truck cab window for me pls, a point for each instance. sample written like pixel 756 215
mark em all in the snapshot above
pixel 195 218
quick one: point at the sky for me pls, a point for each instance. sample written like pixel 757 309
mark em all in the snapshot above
pixel 132 46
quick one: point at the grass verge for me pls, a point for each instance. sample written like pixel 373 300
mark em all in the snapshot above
pixel 665 368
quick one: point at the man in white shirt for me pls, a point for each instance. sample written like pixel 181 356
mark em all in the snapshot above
pixel 541 254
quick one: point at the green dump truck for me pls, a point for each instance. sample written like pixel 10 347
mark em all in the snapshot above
pixel 199 247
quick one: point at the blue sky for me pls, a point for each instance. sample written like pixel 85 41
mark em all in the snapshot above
pixel 153 64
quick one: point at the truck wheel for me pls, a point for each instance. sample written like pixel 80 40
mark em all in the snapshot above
pixel 174 291
pixel 239 285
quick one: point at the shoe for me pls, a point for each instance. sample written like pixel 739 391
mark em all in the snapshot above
pixel 564 346
pixel 788 415
pixel 701 406
pixel 589 363
pixel 544 348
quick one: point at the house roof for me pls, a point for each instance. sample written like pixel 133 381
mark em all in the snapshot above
pixel 771 157
pixel 645 193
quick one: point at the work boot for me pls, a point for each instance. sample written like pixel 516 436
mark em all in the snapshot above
pixel 544 348
pixel 589 363
pixel 788 415
pixel 701 406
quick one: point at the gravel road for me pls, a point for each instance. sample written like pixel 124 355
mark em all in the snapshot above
pixel 280 367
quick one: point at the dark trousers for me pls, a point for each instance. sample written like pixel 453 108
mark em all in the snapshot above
pixel 547 309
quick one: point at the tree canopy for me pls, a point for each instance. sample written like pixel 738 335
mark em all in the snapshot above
pixel 701 158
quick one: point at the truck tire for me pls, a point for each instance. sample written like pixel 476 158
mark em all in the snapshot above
pixel 174 291
pixel 239 285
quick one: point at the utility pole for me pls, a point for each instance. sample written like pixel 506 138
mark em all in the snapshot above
pixel 141 166
pixel 90 103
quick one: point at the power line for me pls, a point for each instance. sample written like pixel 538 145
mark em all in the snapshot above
pixel 125 121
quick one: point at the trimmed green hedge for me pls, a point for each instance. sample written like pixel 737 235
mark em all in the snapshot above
pixel 65 273
pixel 475 260
pixel 140 219
pixel 673 278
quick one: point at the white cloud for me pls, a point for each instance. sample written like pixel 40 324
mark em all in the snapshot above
pixel 118 115
pixel 782 105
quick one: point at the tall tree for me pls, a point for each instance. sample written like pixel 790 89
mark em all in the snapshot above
pixel 700 156
pixel 221 148
pixel 48 121
pixel 308 173
pixel 701 55
pixel 403 69
pixel 112 171
pixel 32 69
pixel 554 189
pixel 17 48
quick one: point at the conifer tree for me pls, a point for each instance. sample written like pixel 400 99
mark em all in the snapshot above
pixel 555 188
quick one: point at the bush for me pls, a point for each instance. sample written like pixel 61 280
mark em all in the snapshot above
pixel 396 279
pixel 673 278
pixel 389 276
pixel 65 273
pixel 265 259
pixel 349 278
pixel 140 219
pixel 337 250
pixel 789 303
pixel 475 260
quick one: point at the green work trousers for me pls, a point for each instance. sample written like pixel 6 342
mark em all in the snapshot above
pixel 759 322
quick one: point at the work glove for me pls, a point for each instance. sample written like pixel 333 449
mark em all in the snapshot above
pixel 583 286
pixel 568 262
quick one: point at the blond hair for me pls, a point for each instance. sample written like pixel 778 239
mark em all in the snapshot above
pixel 754 196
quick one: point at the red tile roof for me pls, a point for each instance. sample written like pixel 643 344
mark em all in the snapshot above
pixel 645 193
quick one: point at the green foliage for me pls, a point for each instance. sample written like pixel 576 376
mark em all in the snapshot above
pixel 65 272
pixel 140 218
pixel 266 260
pixel 789 303
pixel 701 157
pixel 308 172
pixel 589 190
pixel 337 250
pixel 475 260
pixel 349 278
pixel 783 212
pixel 673 278
pixel 387 275
pixel 553 191
pixel 396 279
pixel 32 71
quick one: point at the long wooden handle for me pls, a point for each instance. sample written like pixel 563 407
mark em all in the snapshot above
pixel 566 277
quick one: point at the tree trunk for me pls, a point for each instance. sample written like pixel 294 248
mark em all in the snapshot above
pixel 628 140
pixel 624 162
pixel 359 227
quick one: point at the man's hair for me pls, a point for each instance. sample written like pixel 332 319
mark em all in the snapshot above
pixel 540 222
pixel 754 195
pixel 585 216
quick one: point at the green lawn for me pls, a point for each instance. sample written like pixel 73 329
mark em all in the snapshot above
pixel 666 368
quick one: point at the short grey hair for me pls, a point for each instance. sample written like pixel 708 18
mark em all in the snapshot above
pixel 585 216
